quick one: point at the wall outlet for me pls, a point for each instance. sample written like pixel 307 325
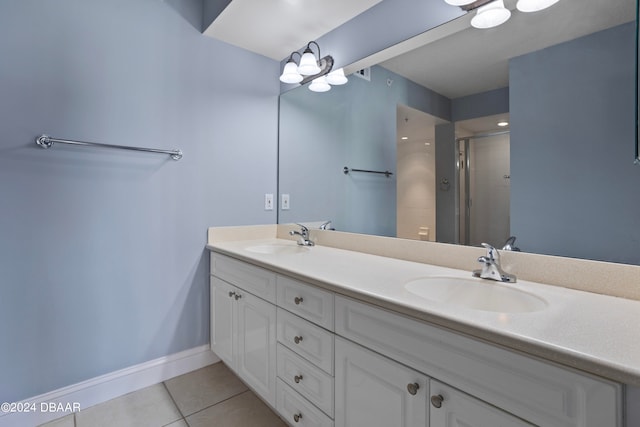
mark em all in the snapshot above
pixel 268 202
pixel 285 202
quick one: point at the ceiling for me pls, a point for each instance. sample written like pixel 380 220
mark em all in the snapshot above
pixel 462 60
pixel 453 59
pixel 275 28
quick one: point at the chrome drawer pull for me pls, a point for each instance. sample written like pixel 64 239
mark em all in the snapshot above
pixel 413 388
pixel 436 401
pixel 297 378
pixel 237 297
pixel 231 294
pixel 298 300
pixel 297 339
pixel 297 417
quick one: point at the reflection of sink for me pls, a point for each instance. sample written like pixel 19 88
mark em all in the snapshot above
pixel 277 249
pixel 477 294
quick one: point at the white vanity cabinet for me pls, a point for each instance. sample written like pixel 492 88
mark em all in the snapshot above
pixel 539 392
pixel 243 325
pixel 374 391
pixel 452 408
pixel 322 360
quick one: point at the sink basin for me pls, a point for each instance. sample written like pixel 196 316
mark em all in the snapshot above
pixel 277 249
pixel 476 294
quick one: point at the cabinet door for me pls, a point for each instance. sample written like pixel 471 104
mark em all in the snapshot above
pixel 374 391
pixel 222 320
pixel 452 408
pixel 256 358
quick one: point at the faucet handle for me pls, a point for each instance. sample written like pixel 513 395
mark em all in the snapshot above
pixel 492 254
pixel 304 230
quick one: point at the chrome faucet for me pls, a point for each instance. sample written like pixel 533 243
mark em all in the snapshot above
pixel 491 268
pixel 326 226
pixel 510 245
pixel 304 239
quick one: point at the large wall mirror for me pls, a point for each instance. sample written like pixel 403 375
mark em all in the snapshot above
pixel 527 130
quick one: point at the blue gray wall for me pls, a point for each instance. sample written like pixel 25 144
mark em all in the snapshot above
pixel 352 125
pixel 102 260
pixel 574 188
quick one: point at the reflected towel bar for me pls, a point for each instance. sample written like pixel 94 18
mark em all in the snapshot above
pixel 46 141
pixel 347 169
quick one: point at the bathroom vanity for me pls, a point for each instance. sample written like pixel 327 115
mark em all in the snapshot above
pixel 331 337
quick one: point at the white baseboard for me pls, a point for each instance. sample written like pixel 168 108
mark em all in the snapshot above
pixel 109 386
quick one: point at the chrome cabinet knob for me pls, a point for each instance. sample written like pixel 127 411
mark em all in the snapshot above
pixel 297 417
pixel 298 300
pixel 297 339
pixel 231 294
pixel 297 378
pixel 237 296
pixel 413 388
pixel 437 400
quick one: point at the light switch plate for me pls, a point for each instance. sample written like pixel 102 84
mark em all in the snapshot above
pixel 268 202
pixel 285 202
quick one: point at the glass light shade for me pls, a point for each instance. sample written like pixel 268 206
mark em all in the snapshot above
pixel 534 5
pixel 319 85
pixel 491 15
pixel 290 73
pixel 459 2
pixel 337 77
pixel 308 64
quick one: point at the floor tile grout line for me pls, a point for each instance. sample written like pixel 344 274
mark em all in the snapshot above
pixel 248 390
pixel 183 416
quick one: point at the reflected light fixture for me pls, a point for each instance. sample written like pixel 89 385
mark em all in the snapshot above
pixel 312 68
pixel 503 124
pixel 534 5
pixel 491 15
pixel 459 2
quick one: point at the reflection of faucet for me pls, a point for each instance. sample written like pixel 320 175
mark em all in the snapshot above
pixel 304 236
pixel 509 245
pixel 326 226
pixel 491 268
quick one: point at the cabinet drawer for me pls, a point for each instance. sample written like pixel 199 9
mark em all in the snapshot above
pixel 308 340
pixel 306 378
pixel 308 302
pixel 256 280
pixel 540 392
pixel 296 410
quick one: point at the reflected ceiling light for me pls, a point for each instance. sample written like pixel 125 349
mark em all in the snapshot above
pixel 503 124
pixel 312 68
pixel 404 138
pixel 534 5
pixel 491 15
pixel 459 2
pixel 319 85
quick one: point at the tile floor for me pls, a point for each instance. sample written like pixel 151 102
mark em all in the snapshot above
pixel 209 397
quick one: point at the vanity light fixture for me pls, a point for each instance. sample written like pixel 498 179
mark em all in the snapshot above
pixel 534 5
pixel 320 84
pixel 312 68
pixel 459 2
pixel 491 15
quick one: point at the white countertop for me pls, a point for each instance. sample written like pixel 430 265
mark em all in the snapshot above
pixel 594 333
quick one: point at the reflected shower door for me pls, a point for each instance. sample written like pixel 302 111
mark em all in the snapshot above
pixel 485 189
